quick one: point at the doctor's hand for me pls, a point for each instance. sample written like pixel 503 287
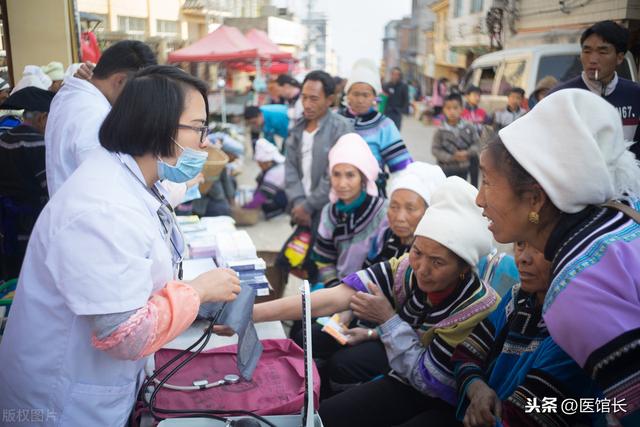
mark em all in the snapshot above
pixel 220 284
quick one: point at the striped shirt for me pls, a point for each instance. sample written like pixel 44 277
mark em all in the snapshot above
pixel 420 338
pixel 384 140
pixel 345 234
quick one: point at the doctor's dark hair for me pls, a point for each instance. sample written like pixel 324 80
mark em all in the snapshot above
pixel 126 55
pixel 146 115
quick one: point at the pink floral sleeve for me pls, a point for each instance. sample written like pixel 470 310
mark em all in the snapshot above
pixel 167 314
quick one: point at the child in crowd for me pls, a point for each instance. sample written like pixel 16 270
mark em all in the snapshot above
pixel 542 89
pixel 270 195
pixel 456 142
pixel 349 223
pixel 514 109
pixel 472 113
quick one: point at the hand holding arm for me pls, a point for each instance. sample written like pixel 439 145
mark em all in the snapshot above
pixel 374 306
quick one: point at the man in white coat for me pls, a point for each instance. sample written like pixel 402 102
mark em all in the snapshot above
pixel 79 108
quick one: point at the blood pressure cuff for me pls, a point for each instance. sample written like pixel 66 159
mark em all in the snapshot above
pixel 238 315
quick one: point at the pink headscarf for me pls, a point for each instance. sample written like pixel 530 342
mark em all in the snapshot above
pixel 353 150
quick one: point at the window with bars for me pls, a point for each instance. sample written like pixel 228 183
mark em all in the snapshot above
pixel 166 28
pixel 477 5
pixel 132 26
pixel 457 8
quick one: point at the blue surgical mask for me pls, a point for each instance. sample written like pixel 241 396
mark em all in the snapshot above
pixel 192 193
pixel 188 166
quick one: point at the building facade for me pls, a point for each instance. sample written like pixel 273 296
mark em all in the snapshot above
pixel 548 21
pixel 164 24
pixel 318 51
pixel 444 62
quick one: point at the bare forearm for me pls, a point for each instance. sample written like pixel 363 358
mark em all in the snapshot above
pixel 323 302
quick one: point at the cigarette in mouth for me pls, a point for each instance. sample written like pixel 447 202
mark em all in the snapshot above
pixel 596 74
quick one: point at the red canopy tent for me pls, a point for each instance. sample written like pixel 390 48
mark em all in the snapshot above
pixel 266 48
pixel 224 44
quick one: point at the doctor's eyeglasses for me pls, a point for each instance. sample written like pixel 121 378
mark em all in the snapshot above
pixel 203 130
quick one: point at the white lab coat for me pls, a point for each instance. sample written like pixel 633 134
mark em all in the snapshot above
pixel 76 114
pixel 72 133
pixel 97 248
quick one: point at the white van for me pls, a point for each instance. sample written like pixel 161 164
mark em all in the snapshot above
pixel 497 72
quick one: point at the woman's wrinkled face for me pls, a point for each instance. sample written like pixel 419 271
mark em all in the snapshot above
pixel 507 213
pixel 406 209
pixel 346 181
pixel 435 266
pixel 534 269
pixel 361 98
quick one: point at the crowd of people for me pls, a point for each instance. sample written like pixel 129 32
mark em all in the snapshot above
pixel 441 328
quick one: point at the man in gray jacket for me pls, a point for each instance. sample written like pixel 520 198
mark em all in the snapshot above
pixel 307 181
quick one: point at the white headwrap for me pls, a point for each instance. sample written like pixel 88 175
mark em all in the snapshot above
pixel 33 76
pixel 456 222
pixel 364 71
pixel 419 177
pixel 267 152
pixel 573 146
pixel 54 70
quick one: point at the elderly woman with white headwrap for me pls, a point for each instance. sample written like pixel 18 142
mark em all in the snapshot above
pixel 379 131
pixel 426 302
pixel 410 196
pixel 570 188
pixel 269 195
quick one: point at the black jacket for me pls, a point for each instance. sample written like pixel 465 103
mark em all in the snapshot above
pixel 398 101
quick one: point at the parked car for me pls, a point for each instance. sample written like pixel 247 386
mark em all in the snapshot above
pixel 497 72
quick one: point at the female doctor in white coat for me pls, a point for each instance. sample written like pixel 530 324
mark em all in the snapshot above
pixel 99 289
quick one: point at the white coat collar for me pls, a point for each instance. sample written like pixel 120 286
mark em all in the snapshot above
pixel 130 163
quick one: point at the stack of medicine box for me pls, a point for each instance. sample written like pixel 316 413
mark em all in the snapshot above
pixel 236 251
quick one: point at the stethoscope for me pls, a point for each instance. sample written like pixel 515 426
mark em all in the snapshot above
pixel 167 230
pixel 228 379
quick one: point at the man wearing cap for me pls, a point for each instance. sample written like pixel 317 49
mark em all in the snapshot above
pixel 23 182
